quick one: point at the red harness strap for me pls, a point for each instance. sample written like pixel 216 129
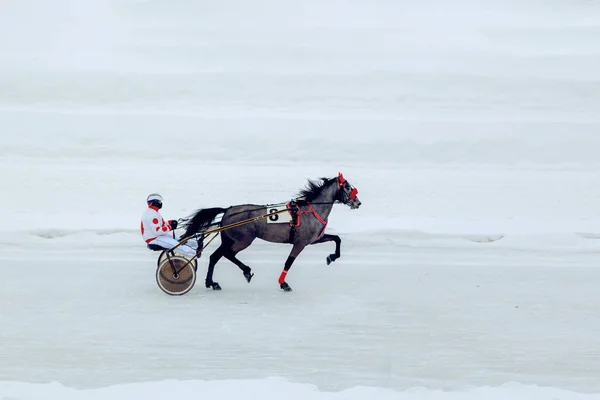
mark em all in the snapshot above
pixel 311 210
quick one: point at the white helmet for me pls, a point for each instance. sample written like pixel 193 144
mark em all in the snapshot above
pixel 154 196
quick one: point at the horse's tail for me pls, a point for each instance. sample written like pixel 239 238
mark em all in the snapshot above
pixel 201 219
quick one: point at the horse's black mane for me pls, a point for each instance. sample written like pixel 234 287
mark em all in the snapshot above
pixel 313 189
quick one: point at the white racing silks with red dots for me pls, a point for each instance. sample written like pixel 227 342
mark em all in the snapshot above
pixel 153 225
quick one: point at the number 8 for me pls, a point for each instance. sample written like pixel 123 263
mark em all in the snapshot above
pixel 273 217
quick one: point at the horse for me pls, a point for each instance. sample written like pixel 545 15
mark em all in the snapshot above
pixel 300 222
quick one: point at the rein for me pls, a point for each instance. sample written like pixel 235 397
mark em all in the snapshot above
pixel 293 201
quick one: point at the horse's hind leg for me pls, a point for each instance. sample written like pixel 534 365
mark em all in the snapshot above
pixel 328 238
pixel 230 254
pixel 214 258
pixel 288 264
pixel 245 269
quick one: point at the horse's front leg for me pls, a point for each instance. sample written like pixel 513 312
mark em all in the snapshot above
pixel 338 242
pixel 288 264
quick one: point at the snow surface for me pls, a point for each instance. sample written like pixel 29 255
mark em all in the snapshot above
pixel 459 122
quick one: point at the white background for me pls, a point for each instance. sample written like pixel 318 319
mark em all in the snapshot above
pixel 457 122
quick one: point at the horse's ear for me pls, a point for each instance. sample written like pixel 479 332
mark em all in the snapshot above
pixel 340 180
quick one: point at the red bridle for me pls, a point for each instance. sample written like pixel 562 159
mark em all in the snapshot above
pixel 342 182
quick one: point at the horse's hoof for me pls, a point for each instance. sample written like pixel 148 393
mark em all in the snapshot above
pixel 331 258
pixel 248 276
pixel 212 285
pixel 285 287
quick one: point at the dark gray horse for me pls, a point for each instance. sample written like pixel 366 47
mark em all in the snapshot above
pixel 302 224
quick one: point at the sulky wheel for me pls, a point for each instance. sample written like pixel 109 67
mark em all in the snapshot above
pixel 176 275
pixel 163 256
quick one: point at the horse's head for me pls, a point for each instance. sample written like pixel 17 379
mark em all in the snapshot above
pixel 347 194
